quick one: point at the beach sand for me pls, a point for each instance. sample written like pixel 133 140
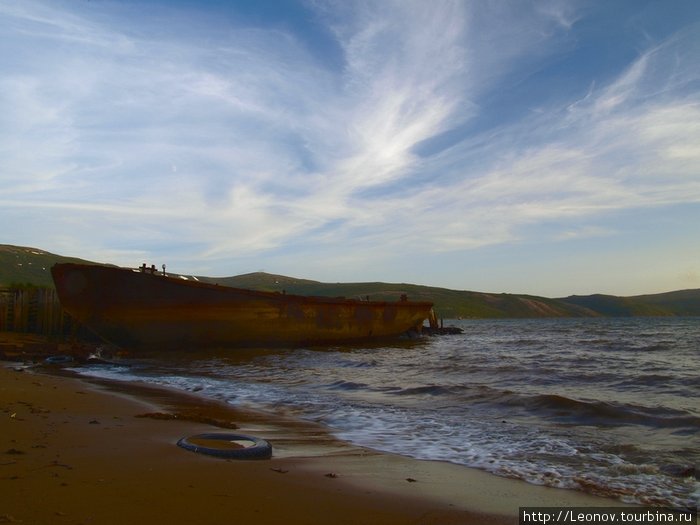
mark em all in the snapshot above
pixel 92 452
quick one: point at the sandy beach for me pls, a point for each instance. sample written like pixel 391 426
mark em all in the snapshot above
pixel 83 451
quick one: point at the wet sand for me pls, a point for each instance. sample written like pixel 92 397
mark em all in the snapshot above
pixel 82 451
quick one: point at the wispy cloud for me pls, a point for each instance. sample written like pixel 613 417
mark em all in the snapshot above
pixel 130 134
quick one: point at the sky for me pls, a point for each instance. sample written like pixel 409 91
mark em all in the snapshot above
pixel 541 147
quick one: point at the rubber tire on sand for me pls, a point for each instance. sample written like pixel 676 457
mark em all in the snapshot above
pixel 260 449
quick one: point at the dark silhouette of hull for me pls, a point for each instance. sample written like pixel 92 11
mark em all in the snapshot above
pixel 144 310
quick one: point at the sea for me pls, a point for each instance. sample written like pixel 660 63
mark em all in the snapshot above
pixel 609 407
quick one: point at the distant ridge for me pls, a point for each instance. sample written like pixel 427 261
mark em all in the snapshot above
pixel 25 266
pixel 679 303
pixel 22 266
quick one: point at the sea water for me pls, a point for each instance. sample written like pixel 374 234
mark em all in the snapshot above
pixel 606 406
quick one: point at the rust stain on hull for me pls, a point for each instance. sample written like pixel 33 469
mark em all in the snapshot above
pixel 140 310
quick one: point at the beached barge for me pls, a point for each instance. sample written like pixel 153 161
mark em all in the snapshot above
pixel 142 309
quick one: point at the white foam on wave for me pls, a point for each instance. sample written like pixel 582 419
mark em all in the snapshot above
pixel 114 373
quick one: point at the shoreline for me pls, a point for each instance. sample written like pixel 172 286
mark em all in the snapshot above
pixel 74 450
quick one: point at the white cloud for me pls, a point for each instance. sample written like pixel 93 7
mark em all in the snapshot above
pixel 128 136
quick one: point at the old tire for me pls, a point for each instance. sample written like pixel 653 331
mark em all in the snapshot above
pixel 221 445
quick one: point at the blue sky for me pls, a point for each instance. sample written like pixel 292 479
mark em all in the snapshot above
pixel 544 147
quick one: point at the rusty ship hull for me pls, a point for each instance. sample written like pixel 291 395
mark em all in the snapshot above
pixel 139 310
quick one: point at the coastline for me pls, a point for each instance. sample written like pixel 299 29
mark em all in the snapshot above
pixel 73 450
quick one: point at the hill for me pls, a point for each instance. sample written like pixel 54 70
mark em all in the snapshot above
pixel 612 306
pixel 679 303
pixel 23 266
pixel 448 303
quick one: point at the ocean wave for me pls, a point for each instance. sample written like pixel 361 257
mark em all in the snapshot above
pixel 431 390
pixel 600 413
pixel 346 385
pixel 588 405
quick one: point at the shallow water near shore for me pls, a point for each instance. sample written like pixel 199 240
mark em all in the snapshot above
pixel 609 407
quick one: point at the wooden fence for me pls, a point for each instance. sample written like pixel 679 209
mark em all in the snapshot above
pixel 33 310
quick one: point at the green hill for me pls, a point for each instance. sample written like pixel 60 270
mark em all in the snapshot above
pixel 681 302
pixel 23 266
pixel 612 306
pixel 448 303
